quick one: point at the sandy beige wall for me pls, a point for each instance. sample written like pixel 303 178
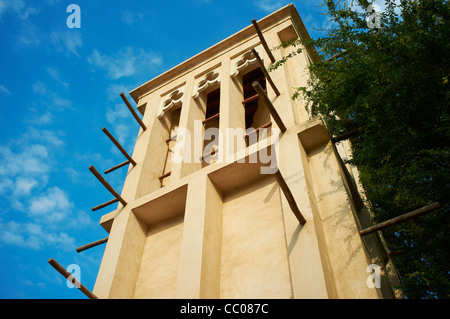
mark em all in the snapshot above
pixel 254 257
pixel 160 260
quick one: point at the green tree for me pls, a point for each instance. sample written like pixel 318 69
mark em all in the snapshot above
pixel 391 81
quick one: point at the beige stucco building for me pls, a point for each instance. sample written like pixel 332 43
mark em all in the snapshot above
pixel 215 202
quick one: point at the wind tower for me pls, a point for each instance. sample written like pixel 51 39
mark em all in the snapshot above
pixel 232 190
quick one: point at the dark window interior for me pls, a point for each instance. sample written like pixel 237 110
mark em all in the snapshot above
pixel 212 103
pixel 252 105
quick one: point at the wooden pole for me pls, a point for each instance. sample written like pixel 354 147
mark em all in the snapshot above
pixel 211 118
pixel 266 74
pixel 335 56
pixel 346 135
pixel 267 125
pixel 165 175
pixel 107 186
pixel 265 99
pixel 211 153
pixel 400 219
pixel 93 244
pixel 172 138
pixel 112 201
pixel 112 169
pixel 121 149
pixel 287 193
pixel 252 98
pixel 72 279
pixel 263 41
pixel 124 98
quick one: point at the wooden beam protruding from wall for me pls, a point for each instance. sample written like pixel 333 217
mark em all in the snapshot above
pixel 263 41
pixel 93 244
pixel 400 219
pixel 346 135
pixel 72 279
pixel 106 184
pixel 121 149
pixel 290 198
pixel 110 202
pixel 112 169
pixel 267 125
pixel 124 98
pixel 266 101
pixel 266 74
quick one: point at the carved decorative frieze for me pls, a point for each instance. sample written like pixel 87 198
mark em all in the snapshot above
pixel 172 99
pixel 244 61
pixel 209 79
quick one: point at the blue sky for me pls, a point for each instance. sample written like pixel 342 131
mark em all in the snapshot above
pixel 58 88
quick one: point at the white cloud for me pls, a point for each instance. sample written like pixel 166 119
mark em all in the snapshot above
pixel 25 33
pixel 24 185
pixel 126 62
pixel 52 97
pixel 50 138
pixel 78 219
pixel 22 171
pixel 29 35
pixel 33 236
pixel 54 73
pixel 130 17
pixel 51 207
pixel 27 12
pixel 31 160
pixel 40 118
pixel 120 118
pixel 40 88
pixel 25 164
pixel 4 90
pixel 118 112
pixel 47 211
pixel 17 7
pixel 269 5
pixel 48 214
pixel 67 40
pixel 9 233
pixel 52 2
pixel 55 199
pixel 5 184
pixel 115 89
pixel 40 139
pixel 37 216
pixel 76 176
pixel 123 131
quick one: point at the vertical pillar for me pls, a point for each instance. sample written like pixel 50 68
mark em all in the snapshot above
pixel 225 106
pixel 199 270
pixel 283 102
pixel 301 240
pixel 122 257
pixel 295 71
pixel 342 251
pixel 192 110
pixel 183 145
pixel 123 252
pixel 153 149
